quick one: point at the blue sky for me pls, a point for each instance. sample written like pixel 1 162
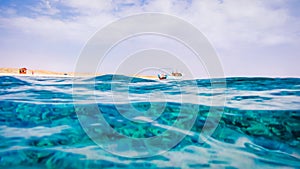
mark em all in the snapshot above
pixel 252 38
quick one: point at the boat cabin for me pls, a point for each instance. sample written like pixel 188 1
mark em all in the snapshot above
pixel 23 70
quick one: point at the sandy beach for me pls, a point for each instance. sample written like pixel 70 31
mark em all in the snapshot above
pixel 30 72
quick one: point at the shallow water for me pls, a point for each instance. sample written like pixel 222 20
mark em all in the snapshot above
pixel 48 122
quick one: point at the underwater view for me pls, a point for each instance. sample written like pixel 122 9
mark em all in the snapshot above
pixel 115 121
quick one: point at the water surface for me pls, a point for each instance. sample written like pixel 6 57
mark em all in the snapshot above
pixel 40 126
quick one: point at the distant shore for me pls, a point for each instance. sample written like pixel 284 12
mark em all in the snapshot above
pixel 30 72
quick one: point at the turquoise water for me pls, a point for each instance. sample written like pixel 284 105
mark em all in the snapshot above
pixel 44 123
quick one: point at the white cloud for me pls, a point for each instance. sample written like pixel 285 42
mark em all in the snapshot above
pixel 91 7
pixel 8 11
pixel 247 22
pixel 44 7
pixel 47 28
pixel 227 23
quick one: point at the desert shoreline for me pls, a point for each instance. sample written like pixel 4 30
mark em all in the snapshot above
pixel 46 73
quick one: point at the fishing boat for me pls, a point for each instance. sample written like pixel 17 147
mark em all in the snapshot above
pixel 162 76
pixel 172 76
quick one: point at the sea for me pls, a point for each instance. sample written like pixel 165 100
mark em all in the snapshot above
pixel 116 121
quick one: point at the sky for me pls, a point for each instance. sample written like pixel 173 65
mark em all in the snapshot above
pixel 251 37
